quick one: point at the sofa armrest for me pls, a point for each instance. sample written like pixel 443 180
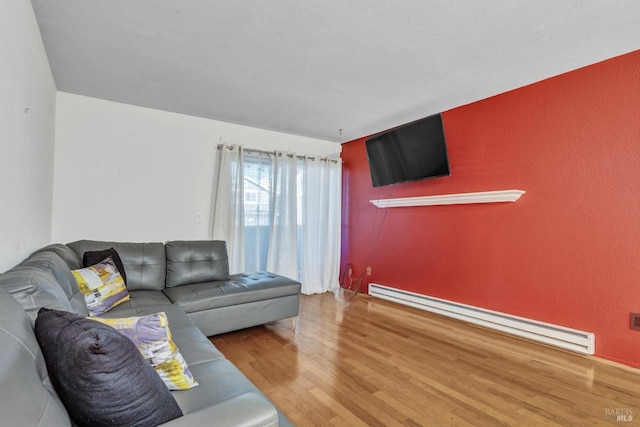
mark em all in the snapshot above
pixel 249 409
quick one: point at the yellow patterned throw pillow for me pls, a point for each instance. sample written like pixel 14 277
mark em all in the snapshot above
pixel 152 336
pixel 102 286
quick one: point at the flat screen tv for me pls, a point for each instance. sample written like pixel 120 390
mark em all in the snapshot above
pixel 408 153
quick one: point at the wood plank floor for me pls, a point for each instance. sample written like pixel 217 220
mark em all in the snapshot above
pixel 375 363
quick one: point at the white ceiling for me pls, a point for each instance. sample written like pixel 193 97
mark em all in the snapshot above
pixel 315 67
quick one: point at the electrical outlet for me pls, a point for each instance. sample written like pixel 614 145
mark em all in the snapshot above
pixel 368 271
pixel 197 218
pixel 635 321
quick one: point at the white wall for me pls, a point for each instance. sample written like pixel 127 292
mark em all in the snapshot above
pixel 128 173
pixel 27 120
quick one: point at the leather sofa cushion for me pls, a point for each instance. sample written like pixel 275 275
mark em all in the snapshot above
pixel 33 288
pixel 194 346
pixel 196 262
pixel 250 409
pixel 28 398
pixel 51 261
pixel 143 299
pixel 152 335
pixel 145 263
pixel 239 289
pixel 219 381
pixel 67 254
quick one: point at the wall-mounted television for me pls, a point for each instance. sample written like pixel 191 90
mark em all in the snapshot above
pixel 408 153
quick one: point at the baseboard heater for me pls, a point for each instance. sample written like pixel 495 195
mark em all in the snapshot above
pixel 559 336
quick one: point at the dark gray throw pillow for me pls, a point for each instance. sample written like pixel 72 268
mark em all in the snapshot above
pixel 100 375
pixel 93 257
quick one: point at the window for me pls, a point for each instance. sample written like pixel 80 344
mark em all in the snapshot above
pixel 257 211
pixel 280 213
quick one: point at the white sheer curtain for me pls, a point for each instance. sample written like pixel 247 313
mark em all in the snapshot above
pixel 320 240
pixel 282 255
pixel 228 214
pixel 281 213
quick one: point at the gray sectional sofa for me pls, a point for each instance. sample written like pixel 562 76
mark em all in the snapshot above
pixel 189 281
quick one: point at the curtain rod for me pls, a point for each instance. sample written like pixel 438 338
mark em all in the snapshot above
pixel 252 150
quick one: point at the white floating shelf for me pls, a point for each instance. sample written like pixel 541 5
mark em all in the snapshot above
pixel 452 199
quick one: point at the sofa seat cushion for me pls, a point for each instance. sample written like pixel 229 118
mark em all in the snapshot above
pixel 152 336
pixel 194 346
pixel 143 299
pixel 219 381
pixel 239 289
pixel 246 410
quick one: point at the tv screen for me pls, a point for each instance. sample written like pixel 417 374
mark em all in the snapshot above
pixel 408 153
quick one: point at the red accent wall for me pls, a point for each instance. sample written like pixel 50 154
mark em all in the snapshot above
pixel 568 252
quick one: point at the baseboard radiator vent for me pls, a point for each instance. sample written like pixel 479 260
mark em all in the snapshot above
pixel 559 336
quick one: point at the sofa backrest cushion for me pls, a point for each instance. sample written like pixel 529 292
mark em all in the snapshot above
pixel 144 263
pixel 67 254
pixel 196 262
pixel 33 288
pixel 28 399
pixel 52 262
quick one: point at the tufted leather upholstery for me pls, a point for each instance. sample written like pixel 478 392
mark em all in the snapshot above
pixel 33 288
pixel 65 252
pixel 239 289
pixel 51 261
pixel 224 394
pixel 144 263
pixel 196 262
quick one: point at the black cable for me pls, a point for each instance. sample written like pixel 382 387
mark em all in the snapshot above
pixel 374 240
